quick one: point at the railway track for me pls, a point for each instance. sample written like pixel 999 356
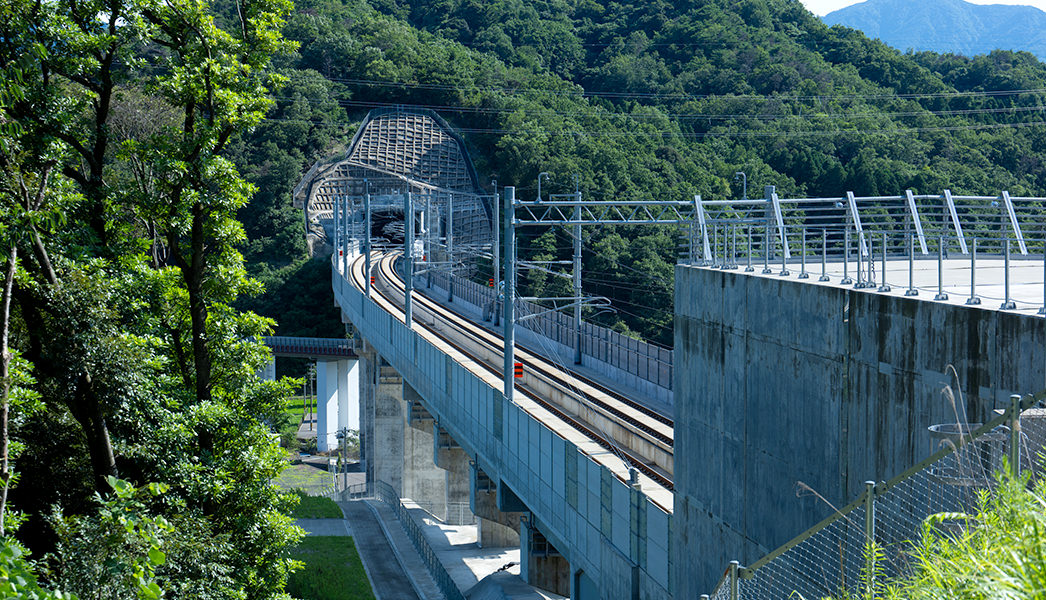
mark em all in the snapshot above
pixel 641 436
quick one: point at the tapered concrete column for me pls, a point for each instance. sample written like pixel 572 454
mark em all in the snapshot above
pixel 540 564
pixel 496 528
pixel 368 385
pixel 450 457
pixel 423 481
pixel 348 388
pixel 388 427
pixel 326 405
pixel 268 372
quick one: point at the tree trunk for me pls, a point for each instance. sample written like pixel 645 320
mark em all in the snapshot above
pixel 5 375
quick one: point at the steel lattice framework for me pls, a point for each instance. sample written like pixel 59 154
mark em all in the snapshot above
pixel 397 151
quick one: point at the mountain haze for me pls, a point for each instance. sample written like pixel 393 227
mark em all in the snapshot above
pixel 947 26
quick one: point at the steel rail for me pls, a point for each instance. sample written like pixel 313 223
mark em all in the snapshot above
pixel 549 369
pixel 389 304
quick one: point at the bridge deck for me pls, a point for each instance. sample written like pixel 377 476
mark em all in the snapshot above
pixel 1026 279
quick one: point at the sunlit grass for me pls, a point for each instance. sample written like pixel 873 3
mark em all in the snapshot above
pixel 333 570
pixel 315 507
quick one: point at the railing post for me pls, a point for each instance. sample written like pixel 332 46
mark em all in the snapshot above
pixel 802 254
pixel 784 267
pixel 1042 311
pixel 846 257
pixel 733 580
pixel 715 246
pixel 869 533
pixel 940 270
pixel 1015 434
pixel 885 287
pixel 750 268
pixel 973 299
pixel 1007 304
pixel 911 291
pixel 733 247
pixel 824 255
pixel 860 264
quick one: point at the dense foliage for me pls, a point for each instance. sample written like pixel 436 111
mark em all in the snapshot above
pixel 666 100
pixel 129 368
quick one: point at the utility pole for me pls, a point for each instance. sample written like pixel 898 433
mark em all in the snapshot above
pixel 510 292
pixel 577 274
pixel 450 248
pixel 408 258
pixel 494 256
pixel 366 240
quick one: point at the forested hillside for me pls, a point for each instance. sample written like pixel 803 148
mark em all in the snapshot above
pixel 148 151
pixel 665 100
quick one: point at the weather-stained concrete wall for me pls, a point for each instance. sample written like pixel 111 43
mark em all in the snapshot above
pixel 783 385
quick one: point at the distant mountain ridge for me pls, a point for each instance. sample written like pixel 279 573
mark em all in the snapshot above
pixel 947 25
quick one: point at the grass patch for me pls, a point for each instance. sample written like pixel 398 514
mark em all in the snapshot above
pixel 316 507
pixel 304 477
pixel 333 570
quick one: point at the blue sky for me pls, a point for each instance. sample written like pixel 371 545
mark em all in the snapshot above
pixel 823 7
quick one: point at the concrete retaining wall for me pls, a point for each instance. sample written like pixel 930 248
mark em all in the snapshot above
pixel 780 382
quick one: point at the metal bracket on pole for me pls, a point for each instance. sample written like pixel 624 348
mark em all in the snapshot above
pixel 780 224
pixel 914 212
pixel 955 220
pixel 852 202
pixel 1013 223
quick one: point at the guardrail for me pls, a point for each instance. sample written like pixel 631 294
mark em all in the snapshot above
pixel 982 268
pixel 831 559
pixel 646 360
pixel 779 222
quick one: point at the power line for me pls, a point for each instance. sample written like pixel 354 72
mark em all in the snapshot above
pixel 601 94
pixel 697 116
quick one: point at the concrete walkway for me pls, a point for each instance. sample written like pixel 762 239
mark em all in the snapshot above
pixel 387 577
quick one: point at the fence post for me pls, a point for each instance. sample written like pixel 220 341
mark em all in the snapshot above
pixel 802 253
pixel 846 257
pixel 869 532
pixel 733 580
pixel 1015 434
pixel 973 299
pixel 911 291
pixel 750 268
pixel 1042 311
pixel 824 255
pixel 940 270
pixel 885 287
pixel 1007 304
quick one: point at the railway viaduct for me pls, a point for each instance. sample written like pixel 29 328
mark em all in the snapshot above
pixel 777 377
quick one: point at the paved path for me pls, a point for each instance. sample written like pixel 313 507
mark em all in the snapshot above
pixel 385 573
pixel 325 526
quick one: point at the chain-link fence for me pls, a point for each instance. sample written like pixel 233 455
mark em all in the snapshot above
pixel 834 558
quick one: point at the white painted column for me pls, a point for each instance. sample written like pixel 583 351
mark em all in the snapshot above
pixel 268 372
pixel 326 405
pixel 348 394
